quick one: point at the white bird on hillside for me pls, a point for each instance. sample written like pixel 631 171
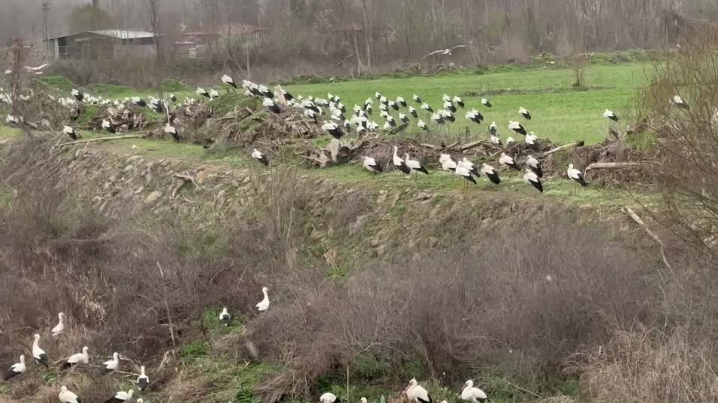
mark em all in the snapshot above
pixel 486 102
pixel 265 91
pixel 535 165
pixel 523 112
pixel 224 317
pixel 415 165
pixel 493 129
pixel 517 127
pixel 107 125
pixel 202 92
pixel 465 173
pixel 423 126
pixel 446 98
pixel 458 101
pixel 416 99
pixel 66 396
pixel 39 354
pixel 417 394
pixel 575 175
pixel 490 173
pixel 228 81
pixel 169 129
pixel 465 163
pixel 121 397
pixel 509 141
pixel 213 94
pixel 15 369
pixel 333 129
pixel 427 108
pixel 69 131
pixel 447 163
pixel 77 94
pixel 271 105
pixel 508 161
pixel 403 118
pixel 679 102
pixel 474 116
pixel 437 118
pixel 608 114
pixel 413 112
pixel 259 156
pixel 329 398
pixel 112 364
pixel 531 139
pixel 78 358
pixel 371 165
pixel 60 327
pixel 263 305
pixel 143 381
pixel 495 140
pixel 399 162
pixel 401 101
pixel 533 179
pixel 449 106
pixel 473 394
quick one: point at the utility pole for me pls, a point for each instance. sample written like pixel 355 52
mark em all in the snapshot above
pixel 46 32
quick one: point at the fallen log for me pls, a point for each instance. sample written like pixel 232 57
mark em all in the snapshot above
pixel 650 233
pixel 469 146
pixel 563 147
pixel 613 165
pixel 129 136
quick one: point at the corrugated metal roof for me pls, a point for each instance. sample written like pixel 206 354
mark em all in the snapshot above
pixel 114 33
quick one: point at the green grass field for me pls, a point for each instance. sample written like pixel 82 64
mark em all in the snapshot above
pixel 560 112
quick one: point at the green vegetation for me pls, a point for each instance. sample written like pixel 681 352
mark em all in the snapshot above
pixel 59 83
pixel 192 351
pixel 561 113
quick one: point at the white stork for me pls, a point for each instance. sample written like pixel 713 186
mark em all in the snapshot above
pixel 493 129
pixel 517 127
pixel 474 116
pixel 415 165
pixel 108 126
pixel 417 394
pixel 121 397
pixel 523 112
pixel 79 96
pixel 15 369
pixel 423 126
pixel 449 106
pixel 509 162
pixel 271 105
pixel 78 358
pixel 535 165
pixel 465 163
pixel 509 141
pixel 473 394
pixel 531 139
pixel 399 163
pixel 263 305
pixel 333 129
pixel 575 175
pixel 413 112
pixel 329 398
pixel 39 354
pixel 486 102
pixel 213 94
pixel 679 102
pixel 227 80
pixel 458 101
pixel 404 119
pixel 447 163
pixel 202 92
pixel 371 165
pixel 143 381
pixel 111 365
pixel 437 118
pixel 259 156
pixel 417 99
pixel 465 173
pixel 401 101
pixel 608 114
pixel 495 140
pixel 490 173
pixel 427 107
pixel 445 98
pixel 70 132
pixel 265 91
pixel 224 317
pixel 169 129
pixel 533 179
pixel 66 396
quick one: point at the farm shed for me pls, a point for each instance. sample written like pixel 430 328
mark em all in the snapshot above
pixel 105 44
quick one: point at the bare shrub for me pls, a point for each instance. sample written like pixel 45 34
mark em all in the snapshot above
pixel 651 366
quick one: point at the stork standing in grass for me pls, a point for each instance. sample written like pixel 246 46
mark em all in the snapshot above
pixel 576 175
pixel 329 398
pixel 66 396
pixel 508 161
pixel 227 80
pixel 399 162
pixel 490 173
pixel 415 165
pixel 486 102
pixel 533 179
pixel 271 105
pixel 263 305
pixel 78 358
pixel 679 102
pixel 465 163
pixel 108 126
pixel 473 394
pixel 79 96
pixel 202 92
pixel 60 327
pixel 143 381
pixel 608 114
pixel 523 112
pixel 371 165
pixel 121 397
pixel 224 317
pixel 534 165
pixel 416 393
pixel 169 129
pixel 39 354
pixel 15 369
pixel 423 126
pixel 259 156
pixel 69 131
pixel 447 163
pixel 333 129
pixel 113 364
pixel 417 99
pixel 531 139
pixel 517 127
pixel 466 174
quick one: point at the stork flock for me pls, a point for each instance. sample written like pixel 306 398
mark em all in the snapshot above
pixel 82 358
pixel 330 115
pixel 416 393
